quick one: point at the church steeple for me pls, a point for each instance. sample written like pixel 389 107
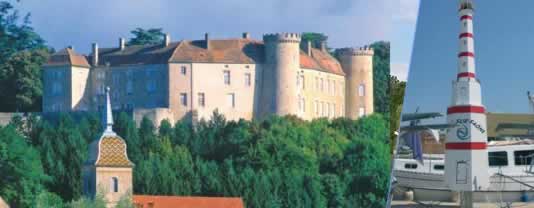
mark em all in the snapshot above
pixel 108 168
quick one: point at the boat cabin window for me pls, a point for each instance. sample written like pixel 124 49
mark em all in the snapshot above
pixel 498 158
pixel 410 166
pixel 439 167
pixel 523 157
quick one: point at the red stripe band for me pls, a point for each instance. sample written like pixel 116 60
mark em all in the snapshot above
pixel 466 74
pixel 465 109
pixel 466 17
pixel 466 146
pixel 464 35
pixel 466 54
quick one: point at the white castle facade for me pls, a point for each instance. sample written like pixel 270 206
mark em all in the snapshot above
pixel 240 78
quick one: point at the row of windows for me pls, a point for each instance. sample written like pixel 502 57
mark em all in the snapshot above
pixel 228 79
pixel 230 99
pixel 326 109
pixel 328 86
pixel 414 166
pixel 521 157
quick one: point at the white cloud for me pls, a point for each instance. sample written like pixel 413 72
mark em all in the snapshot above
pixel 400 70
pixel 405 10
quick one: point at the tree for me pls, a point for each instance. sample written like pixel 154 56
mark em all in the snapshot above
pixel 315 38
pixel 381 72
pixel 146 37
pixel 22 172
pixel 63 150
pixel 22 55
pixel 397 97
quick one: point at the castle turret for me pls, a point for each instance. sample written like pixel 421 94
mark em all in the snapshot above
pixel 282 52
pixel 357 63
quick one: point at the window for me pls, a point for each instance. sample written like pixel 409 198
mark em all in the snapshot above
pixel 151 86
pixel 439 167
pixel 183 70
pixel 247 79
pixel 316 107
pixel 115 79
pixel 129 75
pixel 129 87
pixel 114 184
pixel 498 158
pixel 56 88
pixel 465 42
pixel 201 99
pixel 183 99
pixel 333 109
pixel 317 83
pixel 329 85
pixel 322 84
pixel 323 109
pixel 362 112
pixel 302 105
pixel 361 90
pixel 101 90
pixel 226 77
pixel 333 87
pixel 410 166
pixel 230 100
pixel 523 157
pixel 302 82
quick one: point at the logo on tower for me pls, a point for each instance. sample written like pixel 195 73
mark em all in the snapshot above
pixel 462 132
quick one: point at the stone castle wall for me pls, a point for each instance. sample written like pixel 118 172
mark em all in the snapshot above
pixel 176 91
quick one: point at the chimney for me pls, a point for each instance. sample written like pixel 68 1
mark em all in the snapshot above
pixel 246 35
pixel 167 39
pixel 323 46
pixel 121 44
pixel 207 40
pixel 95 54
pixel 308 47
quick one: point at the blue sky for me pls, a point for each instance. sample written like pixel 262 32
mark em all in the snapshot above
pixel 346 22
pixel 504 50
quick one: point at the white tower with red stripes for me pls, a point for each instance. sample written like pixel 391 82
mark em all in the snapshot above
pixel 466 157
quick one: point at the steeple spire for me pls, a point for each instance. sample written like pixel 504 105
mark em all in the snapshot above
pixel 108 116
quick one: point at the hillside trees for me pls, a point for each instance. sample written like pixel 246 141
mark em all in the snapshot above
pixel 277 162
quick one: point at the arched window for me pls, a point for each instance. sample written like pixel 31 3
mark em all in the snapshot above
pixel 361 90
pixel 114 184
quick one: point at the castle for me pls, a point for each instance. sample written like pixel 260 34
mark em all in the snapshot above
pixel 240 77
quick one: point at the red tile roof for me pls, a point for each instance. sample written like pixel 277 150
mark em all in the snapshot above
pixel 67 56
pixel 146 201
pixel 242 51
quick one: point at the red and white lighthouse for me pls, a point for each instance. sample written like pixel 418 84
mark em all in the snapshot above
pixel 466 157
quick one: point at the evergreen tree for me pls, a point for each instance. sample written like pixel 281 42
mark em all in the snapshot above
pixel 146 37
pixel 21 169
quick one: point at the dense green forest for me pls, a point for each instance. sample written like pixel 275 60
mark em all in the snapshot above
pixel 278 162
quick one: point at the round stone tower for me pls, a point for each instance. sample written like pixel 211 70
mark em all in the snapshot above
pixel 282 58
pixel 357 63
